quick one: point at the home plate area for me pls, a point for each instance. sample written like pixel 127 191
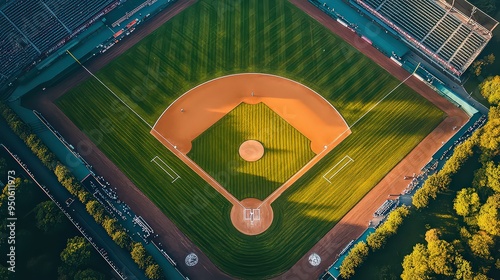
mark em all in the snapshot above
pixel 251 215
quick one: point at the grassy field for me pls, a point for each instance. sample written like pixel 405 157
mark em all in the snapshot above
pixel 286 151
pixel 214 38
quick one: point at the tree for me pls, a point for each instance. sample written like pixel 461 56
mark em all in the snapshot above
pixel 464 268
pixel 480 276
pixel 480 63
pixel 84 196
pixel 490 89
pixel 121 238
pixel 492 173
pixel 481 244
pixel 432 235
pixel 88 274
pixel 3 166
pixel 376 240
pixel 354 259
pixel 138 254
pixel 96 210
pixel 435 183
pixel 110 225
pixel 489 216
pixel 461 153
pixel 467 202
pixel 421 198
pixel 153 272
pixel 416 264
pixel 490 136
pixel 48 216
pixel 441 257
pixel 77 252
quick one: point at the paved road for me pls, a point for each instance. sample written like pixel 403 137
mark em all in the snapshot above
pixel 121 258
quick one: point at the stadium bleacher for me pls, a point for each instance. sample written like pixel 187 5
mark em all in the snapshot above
pixel 439 30
pixel 15 51
pixel 85 10
pixel 31 29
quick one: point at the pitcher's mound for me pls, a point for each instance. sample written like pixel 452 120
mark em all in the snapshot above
pixel 251 150
pixel 251 216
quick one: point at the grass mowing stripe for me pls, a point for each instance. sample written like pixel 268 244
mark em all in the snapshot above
pixel 220 36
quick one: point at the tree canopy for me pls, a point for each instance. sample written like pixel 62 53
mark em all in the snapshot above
pixel 481 244
pixel 489 215
pixel 490 89
pixel 355 258
pixel 467 202
pixel 88 274
pixel 153 272
pixel 77 252
pixel 416 264
pixel 48 216
pixel 138 254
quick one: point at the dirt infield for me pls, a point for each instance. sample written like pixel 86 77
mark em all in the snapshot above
pixel 179 245
pixel 201 107
pixel 356 220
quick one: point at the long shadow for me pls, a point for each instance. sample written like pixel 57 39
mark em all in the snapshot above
pixel 292 236
pixel 216 151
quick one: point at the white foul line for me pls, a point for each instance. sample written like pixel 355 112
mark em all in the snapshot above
pixel 123 102
pixel 373 107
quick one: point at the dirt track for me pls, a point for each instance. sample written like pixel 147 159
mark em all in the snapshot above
pixel 356 221
pixel 177 243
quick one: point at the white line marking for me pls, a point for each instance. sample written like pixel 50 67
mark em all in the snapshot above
pixel 123 102
pixel 336 172
pixel 234 199
pixel 166 165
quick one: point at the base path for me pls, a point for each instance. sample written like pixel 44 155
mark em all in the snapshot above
pixel 201 107
pixel 356 221
pixel 178 244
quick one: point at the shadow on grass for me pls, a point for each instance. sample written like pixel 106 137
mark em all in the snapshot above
pixel 387 262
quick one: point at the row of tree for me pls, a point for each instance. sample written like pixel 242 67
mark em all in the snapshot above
pixel 114 229
pixel 375 241
pixel 475 254
pixel 49 219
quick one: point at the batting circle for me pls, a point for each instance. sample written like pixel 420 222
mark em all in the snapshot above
pixel 257 223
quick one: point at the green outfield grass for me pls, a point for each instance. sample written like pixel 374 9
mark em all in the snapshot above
pixel 215 38
pixel 286 151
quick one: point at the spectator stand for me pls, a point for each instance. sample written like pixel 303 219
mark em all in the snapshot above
pixel 35 29
pixel 372 33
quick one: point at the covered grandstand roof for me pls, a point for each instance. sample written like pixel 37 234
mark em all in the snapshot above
pixel 451 33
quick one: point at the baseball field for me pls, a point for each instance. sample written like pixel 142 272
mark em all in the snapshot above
pixel 216 38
